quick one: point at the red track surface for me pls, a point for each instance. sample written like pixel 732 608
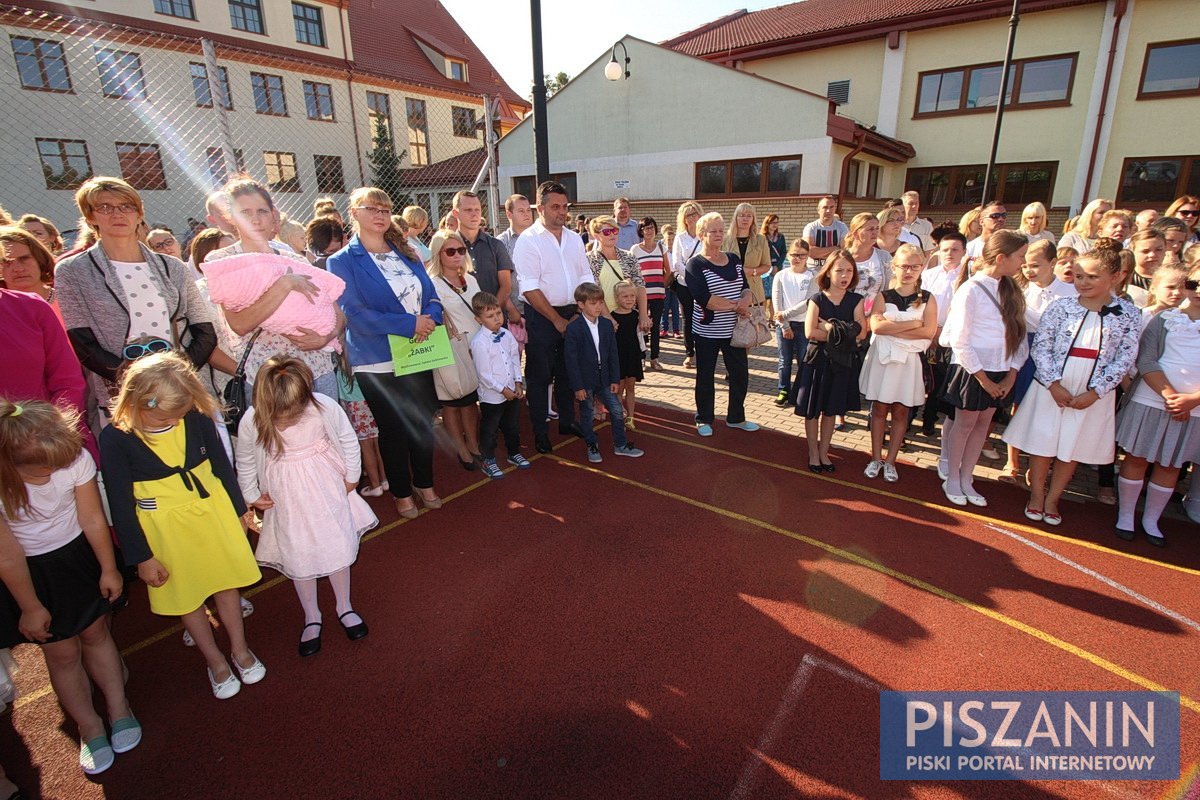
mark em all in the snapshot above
pixel 706 622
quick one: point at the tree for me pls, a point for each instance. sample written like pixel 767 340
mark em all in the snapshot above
pixel 385 163
pixel 554 84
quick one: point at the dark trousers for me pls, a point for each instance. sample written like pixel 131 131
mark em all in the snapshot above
pixel 403 406
pixel 545 363
pixel 670 318
pixel 686 301
pixel 738 367
pixel 503 417
pixel 791 351
pixel 616 415
pixel 656 309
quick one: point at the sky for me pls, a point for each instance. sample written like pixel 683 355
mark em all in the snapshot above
pixel 575 33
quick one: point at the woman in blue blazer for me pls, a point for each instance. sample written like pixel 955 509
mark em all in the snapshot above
pixel 388 292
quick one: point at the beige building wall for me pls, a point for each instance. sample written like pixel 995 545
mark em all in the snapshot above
pixel 651 130
pixel 861 63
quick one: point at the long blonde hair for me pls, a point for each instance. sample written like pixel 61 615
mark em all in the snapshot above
pixel 283 389
pixel 164 382
pixel 1034 208
pixel 434 267
pixel 731 232
pixel 33 433
pixel 685 208
pixel 1083 223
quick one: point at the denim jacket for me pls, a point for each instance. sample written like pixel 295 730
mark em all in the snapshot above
pixel 1120 327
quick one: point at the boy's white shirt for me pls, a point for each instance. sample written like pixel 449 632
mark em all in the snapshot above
pixel 497 364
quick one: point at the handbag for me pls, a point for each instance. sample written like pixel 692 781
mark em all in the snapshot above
pixel 236 402
pixel 752 330
pixel 457 380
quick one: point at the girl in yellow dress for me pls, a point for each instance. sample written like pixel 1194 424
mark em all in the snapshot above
pixel 176 505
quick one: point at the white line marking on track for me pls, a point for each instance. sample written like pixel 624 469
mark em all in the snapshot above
pixel 1107 581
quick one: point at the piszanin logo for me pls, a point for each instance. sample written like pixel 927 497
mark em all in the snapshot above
pixel 1028 735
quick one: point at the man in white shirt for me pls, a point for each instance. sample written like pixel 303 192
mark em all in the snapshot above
pixel 824 234
pixel 627 235
pixel 917 226
pixel 550 263
pixel 992 218
pixel 939 281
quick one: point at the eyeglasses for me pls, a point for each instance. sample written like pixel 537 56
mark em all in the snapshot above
pixel 1191 286
pixel 133 352
pixel 998 215
pixel 609 231
pixel 1188 212
pixel 454 251
pixel 911 267
pixel 376 210
pixel 106 209
pixel 164 244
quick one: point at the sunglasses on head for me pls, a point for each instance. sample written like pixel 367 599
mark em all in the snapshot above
pixel 1191 286
pixel 454 251
pixel 136 350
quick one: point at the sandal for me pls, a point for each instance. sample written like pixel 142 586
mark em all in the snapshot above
pixel 1013 477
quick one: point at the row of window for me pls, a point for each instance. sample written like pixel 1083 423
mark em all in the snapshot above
pixel 1170 69
pixel 247 15
pixel 66 164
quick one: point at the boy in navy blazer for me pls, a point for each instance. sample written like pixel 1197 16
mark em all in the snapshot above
pixel 594 372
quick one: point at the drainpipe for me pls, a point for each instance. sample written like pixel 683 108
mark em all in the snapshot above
pixel 1118 13
pixel 358 151
pixel 860 142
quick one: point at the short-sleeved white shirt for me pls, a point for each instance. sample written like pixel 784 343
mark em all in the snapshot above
pixel 52 519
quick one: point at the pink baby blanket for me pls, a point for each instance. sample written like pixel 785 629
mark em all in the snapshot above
pixel 238 281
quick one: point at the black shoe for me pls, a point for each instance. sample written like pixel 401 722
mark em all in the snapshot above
pixel 828 468
pixel 817 468
pixel 541 443
pixel 353 632
pixel 469 466
pixel 1157 541
pixel 1124 534
pixel 312 646
pixel 570 429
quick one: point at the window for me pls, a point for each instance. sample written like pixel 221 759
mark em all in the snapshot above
pixel 121 74
pixel 318 101
pixel 202 89
pixel 379 112
pixel 1032 83
pixel 1158 179
pixel 458 70
pixel 281 171
pixel 852 177
pixel 330 178
pixel 309 29
pixel 175 8
pixel 760 176
pixel 269 97
pixel 141 165
pixel 65 162
pixel 246 15
pixel 872 180
pixel 418 132
pixel 41 65
pixel 527 185
pixel 1171 69
pixel 217 168
pixel 838 92
pixel 1014 184
pixel 464 122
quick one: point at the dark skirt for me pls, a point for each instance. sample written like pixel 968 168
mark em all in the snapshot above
pixel 67 581
pixel 963 391
pixel 823 387
pixel 461 402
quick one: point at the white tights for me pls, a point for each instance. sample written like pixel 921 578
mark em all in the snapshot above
pixel 306 590
pixel 962 445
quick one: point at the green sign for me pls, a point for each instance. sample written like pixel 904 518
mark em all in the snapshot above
pixel 410 356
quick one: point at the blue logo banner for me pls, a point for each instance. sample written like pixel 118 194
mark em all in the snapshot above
pixel 1028 736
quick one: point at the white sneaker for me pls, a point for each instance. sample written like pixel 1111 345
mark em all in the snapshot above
pixel 247 608
pixel 873 468
pixel 889 473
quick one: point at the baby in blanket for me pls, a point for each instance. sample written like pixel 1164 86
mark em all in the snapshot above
pixel 238 281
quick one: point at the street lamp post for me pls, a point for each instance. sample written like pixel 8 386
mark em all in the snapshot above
pixel 541 146
pixel 991 165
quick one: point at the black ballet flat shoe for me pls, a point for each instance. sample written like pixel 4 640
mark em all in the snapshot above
pixel 829 468
pixel 817 468
pixel 1125 535
pixel 353 632
pixel 310 647
pixel 469 466
pixel 1157 541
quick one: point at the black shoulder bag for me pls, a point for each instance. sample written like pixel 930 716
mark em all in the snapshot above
pixel 236 402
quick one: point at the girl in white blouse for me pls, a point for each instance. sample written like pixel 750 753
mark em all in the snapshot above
pixel 985 331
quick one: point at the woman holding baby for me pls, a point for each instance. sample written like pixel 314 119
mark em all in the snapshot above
pixel 388 292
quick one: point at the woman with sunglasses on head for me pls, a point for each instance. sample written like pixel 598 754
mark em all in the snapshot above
pixel 389 293
pixel 120 290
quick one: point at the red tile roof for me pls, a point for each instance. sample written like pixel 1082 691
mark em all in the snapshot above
pixel 455 171
pixel 746 30
pixel 383 45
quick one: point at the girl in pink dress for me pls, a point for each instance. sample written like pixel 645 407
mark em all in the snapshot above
pixel 302 463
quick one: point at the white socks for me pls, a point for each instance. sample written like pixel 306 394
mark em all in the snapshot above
pixel 1157 498
pixel 1127 496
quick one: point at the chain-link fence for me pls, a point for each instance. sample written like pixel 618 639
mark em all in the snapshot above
pixel 176 115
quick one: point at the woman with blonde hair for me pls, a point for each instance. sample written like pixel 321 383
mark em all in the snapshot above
pixel 1034 224
pixel 891 231
pixel 417 219
pixel 1187 208
pixel 686 245
pixel 325 207
pixel 752 248
pixel 389 293
pixel 611 265
pixel 1083 234
pixel 968 224
pixel 452 272
pixel 874 265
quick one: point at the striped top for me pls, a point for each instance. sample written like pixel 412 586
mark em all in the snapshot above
pixel 705 279
pixel 651 265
